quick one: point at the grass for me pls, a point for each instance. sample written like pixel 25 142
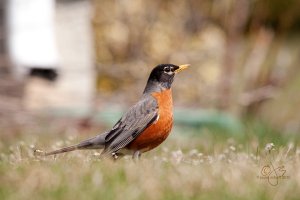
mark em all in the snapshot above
pixel 202 164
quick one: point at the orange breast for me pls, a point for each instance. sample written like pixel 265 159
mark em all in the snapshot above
pixel 155 134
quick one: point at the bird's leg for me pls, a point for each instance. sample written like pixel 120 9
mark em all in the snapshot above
pixel 136 155
pixel 114 156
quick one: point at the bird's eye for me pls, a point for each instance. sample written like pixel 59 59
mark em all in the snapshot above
pixel 167 69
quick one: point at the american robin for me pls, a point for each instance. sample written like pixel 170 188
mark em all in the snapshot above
pixel 145 125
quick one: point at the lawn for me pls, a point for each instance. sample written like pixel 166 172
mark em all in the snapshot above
pixel 191 164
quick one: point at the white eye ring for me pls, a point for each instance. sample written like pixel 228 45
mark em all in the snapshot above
pixel 169 70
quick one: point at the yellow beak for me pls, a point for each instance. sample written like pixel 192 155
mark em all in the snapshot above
pixel 182 67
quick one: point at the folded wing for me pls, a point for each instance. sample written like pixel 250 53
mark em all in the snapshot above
pixel 133 122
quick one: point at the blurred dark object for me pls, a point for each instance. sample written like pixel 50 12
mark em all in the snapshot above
pixel 48 74
pixel 4 69
pixel 10 89
pixel 281 16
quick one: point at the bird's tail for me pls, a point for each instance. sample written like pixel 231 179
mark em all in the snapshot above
pixel 62 150
pixel 97 142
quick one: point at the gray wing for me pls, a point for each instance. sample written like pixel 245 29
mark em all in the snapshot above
pixel 132 123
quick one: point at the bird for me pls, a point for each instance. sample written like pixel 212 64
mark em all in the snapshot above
pixel 144 126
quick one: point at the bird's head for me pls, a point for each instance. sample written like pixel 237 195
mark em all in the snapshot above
pixel 162 76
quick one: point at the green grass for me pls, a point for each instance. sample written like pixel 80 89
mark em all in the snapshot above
pixel 200 164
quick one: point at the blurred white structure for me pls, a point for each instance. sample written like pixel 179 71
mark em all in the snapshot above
pixel 44 36
pixel 31 33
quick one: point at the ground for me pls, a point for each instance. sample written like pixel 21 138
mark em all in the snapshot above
pixel 200 164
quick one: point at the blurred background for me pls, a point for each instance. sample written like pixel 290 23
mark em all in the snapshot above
pixel 81 63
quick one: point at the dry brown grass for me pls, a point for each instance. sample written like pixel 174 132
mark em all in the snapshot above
pixel 182 168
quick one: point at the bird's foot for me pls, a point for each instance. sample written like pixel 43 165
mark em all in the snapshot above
pixel 136 156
